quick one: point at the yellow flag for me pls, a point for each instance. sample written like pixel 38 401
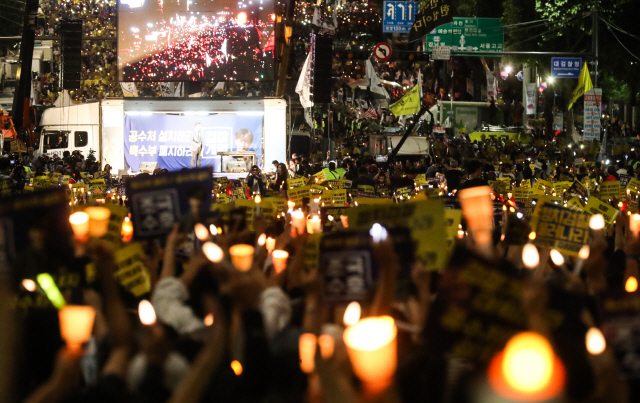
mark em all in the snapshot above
pixel 584 84
pixel 408 104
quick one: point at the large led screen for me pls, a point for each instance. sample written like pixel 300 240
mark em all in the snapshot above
pixel 195 40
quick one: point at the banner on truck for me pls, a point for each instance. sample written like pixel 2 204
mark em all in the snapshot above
pixel 172 140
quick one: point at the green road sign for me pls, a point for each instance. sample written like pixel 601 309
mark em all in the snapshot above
pixel 478 35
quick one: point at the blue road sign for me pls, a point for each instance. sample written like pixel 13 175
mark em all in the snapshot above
pixel 520 75
pixel 566 67
pixel 399 16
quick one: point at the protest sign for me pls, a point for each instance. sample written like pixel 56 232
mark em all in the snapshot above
pixel 45 211
pixel 6 186
pixel 349 266
pixel 522 193
pixel 296 183
pixel 368 201
pixel 475 324
pixel 279 203
pixel 404 192
pixel 609 190
pixel 334 198
pixel 595 206
pixel 329 225
pixel 424 218
pixel 298 194
pixel 577 189
pixel 366 189
pixel 624 180
pixel 339 184
pixel 634 185
pixel 132 273
pixel 544 186
pixel 560 228
pixel 621 326
pixel 574 204
pixel 158 202
pixel 452 220
pixel 239 193
pixel 560 187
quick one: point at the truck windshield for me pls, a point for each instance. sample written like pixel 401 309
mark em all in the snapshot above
pixel 55 140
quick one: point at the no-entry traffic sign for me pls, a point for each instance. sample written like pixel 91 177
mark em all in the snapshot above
pixel 382 51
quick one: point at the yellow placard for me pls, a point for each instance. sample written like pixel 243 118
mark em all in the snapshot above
pixel 221 198
pixel 239 193
pixel 575 204
pixel 595 206
pixel 452 220
pixel 424 218
pixel 132 273
pixel 544 186
pixel 368 201
pixel 560 228
pixel 366 189
pixel 522 193
pixel 560 187
pixel 298 194
pixel 609 190
pixel 332 198
pixel 296 183
pixel 279 203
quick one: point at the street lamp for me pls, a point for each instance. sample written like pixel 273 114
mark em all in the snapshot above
pixel 508 69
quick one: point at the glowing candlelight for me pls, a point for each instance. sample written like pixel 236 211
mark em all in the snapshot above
pixel 634 224
pixel 530 256
pixel 478 211
pixel 371 345
pixel 327 346
pixel 257 199
pixel 314 225
pixel 307 347
pixel 595 341
pixel 146 313
pixel 279 260
pixel 98 220
pixel 242 256
pixel 352 314
pixel 631 285
pixel 79 224
pixel 270 244
pixel 213 252
pixel 556 257
pixel 76 324
pixel 201 232
pixel 298 222
pixel 127 230
pixel 596 222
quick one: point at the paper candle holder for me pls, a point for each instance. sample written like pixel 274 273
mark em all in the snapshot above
pixel 242 256
pixel 76 324
pixel 98 220
pixel 371 345
pixel 279 258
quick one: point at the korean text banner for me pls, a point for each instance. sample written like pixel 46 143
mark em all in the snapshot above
pixel 172 140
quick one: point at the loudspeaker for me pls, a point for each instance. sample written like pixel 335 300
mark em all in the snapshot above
pixel 71 50
pixel 322 48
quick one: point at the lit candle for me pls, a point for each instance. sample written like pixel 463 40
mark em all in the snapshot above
pixel 146 313
pixel 98 220
pixel 242 256
pixel 262 239
pixel 298 220
pixel 258 200
pixel 76 324
pixel 530 256
pixel 596 222
pixel 307 348
pixel 279 258
pixel 213 252
pixel 80 224
pixel 291 205
pixel 344 220
pixel 201 232
pixel 327 345
pixel 314 225
pixel 478 211
pixel 352 314
pixel 594 339
pixel 371 345
pixel 127 230
pixel 634 224
pixel 270 244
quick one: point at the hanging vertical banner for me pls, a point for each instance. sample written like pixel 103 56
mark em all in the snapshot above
pixel 491 85
pixel 592 100
pixel 531 97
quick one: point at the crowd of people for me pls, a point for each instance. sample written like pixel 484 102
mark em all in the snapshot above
pixel 222 331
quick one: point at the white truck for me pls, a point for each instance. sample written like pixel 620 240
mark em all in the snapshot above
pixel 100 126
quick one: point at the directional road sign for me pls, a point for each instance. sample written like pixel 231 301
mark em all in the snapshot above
pixel 398 16
pixel 566 67
pixel 477 35
pixel 382 51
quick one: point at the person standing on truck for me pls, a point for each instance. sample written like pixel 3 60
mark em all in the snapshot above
pixel 196 145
